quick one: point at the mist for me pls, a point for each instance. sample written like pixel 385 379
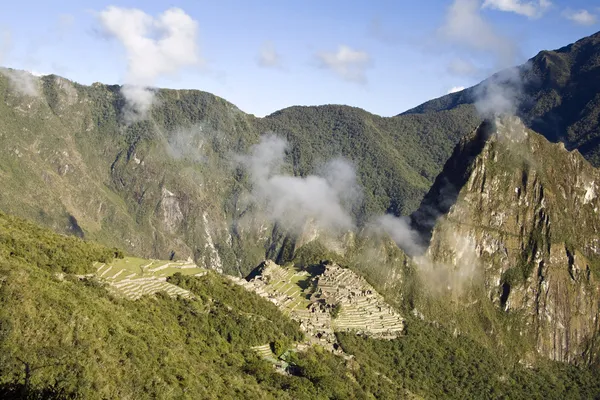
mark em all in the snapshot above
pixel 187 143
pixel 22 82
pixel 398 228
pixel 501 94
pixel 323 199
pixel 155 47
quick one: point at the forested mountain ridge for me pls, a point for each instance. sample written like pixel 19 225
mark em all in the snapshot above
pixel 556 94
pixel 143 180
pixel 169 185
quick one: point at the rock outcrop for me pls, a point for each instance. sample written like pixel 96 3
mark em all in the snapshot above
pixel 528 211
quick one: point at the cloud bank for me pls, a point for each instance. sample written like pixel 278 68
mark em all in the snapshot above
pixel 501 94
pixel 462 67
pixel 465 27
pixel 348 63
pixel 155 46
pixel 187 143
pixel 456 89
pixel 22 82
pixel 399 230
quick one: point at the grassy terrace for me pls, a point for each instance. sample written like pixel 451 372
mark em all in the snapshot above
pixel 291 285
pixel 134 277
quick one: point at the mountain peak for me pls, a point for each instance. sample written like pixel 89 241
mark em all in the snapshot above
pixel 514 198
pixel 454 175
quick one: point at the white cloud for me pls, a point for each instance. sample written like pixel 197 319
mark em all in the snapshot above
pixel 500 94
pixel 295 201
pixel 349 64
pixel 464 26
pixel 155 47
pixel 22 82
pixel 459 66
pixel 400 231
pixel 456 89
pixel 268 57
pixel 531 9
pixel 37 73
pixel 581 17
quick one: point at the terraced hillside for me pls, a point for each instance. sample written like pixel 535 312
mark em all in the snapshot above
pixel 326 299
pixel 133 277
pixel 62 335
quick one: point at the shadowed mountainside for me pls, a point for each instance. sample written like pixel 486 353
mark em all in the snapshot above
pixel 558 95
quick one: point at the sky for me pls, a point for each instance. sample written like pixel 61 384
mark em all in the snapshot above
pixel 383 56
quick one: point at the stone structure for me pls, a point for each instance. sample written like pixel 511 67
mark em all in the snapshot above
pixel 312 299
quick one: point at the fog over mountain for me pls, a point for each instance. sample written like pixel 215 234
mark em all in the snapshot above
pixel 163 243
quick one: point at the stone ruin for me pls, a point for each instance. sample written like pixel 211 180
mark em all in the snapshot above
pixel 361 308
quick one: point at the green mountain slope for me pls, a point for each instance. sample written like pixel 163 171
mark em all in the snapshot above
pixel 396 158
pixel 66 336
pixel 168 186
pixel 558 96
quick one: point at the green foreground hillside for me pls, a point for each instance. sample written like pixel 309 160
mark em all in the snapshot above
pixel 64 335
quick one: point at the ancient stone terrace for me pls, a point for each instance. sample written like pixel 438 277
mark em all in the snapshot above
pixel 135 277
pixel 282 286
pixel 362 308
pixel 310 299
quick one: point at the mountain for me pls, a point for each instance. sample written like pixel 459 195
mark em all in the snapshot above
pixel 513 220
pixel 556 94
pixel 397 158
pixel 168 186
pixel 73 326
pixel 499 272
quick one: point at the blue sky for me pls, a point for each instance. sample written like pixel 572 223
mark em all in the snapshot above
pixel 383 56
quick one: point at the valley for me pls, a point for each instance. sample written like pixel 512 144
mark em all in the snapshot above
pixel 197 251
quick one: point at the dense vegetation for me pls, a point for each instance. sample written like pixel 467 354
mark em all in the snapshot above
pixel 433 363
pixel 396 158
pixel 63 336
pixel 25 241
pixel 557 95
pixel 66 337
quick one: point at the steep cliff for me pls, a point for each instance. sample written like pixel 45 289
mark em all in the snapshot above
pixel 525 212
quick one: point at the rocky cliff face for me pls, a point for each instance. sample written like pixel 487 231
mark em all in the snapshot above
pixel 528 212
